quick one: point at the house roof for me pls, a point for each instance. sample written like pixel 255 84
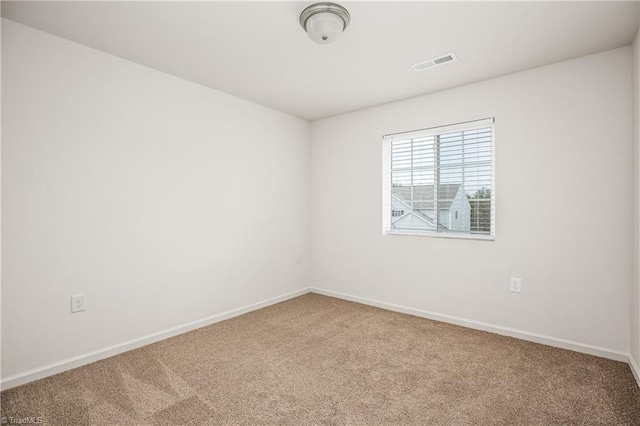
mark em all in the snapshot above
pixel 423 195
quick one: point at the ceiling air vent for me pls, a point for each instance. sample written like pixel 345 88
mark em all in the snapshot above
pixel 434 62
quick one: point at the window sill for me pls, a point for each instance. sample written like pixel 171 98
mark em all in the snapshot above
pixel 442 235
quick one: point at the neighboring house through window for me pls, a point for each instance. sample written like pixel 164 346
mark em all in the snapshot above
pixel 441 181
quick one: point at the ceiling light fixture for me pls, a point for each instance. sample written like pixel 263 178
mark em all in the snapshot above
pixel 324 22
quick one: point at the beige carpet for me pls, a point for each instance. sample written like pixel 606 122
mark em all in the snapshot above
pixel 319 360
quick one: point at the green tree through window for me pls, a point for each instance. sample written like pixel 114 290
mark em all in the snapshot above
pixel 480 203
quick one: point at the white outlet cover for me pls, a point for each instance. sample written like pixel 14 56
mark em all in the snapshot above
pixel 515 285
pixel 78 303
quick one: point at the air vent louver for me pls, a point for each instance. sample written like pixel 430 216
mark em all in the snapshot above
pixel 434 62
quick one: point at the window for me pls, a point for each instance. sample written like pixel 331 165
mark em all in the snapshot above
pixel 442 180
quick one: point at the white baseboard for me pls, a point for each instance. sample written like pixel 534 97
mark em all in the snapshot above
pixel 477 325
pixel 634 369
pixel 87 358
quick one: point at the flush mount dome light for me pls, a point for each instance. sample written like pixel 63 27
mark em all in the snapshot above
pixel 324 22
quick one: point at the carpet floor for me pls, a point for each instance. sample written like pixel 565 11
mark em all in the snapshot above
pixel 319 360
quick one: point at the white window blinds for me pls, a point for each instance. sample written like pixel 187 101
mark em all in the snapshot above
pixel 440 180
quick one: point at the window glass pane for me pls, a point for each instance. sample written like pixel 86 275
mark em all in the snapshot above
pixel 442 183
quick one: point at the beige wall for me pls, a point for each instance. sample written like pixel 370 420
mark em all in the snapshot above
pixel 635 288
pixel 164 201
pixel 563 167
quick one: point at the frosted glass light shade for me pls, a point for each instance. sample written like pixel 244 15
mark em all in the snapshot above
pixel 324 28
pixel 324 22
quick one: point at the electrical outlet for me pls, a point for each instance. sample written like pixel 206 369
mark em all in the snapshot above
pixel 515 285
pixel 78 303
pixel 299 259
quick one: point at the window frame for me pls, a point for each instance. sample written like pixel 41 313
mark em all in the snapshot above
pixel 427 132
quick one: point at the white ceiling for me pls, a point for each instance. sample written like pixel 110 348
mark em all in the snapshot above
pixel 259 52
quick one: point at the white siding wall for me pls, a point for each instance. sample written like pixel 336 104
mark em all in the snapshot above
pixel 461 205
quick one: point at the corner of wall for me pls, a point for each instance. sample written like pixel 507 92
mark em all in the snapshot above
pixel 635 250
pixel 635 369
